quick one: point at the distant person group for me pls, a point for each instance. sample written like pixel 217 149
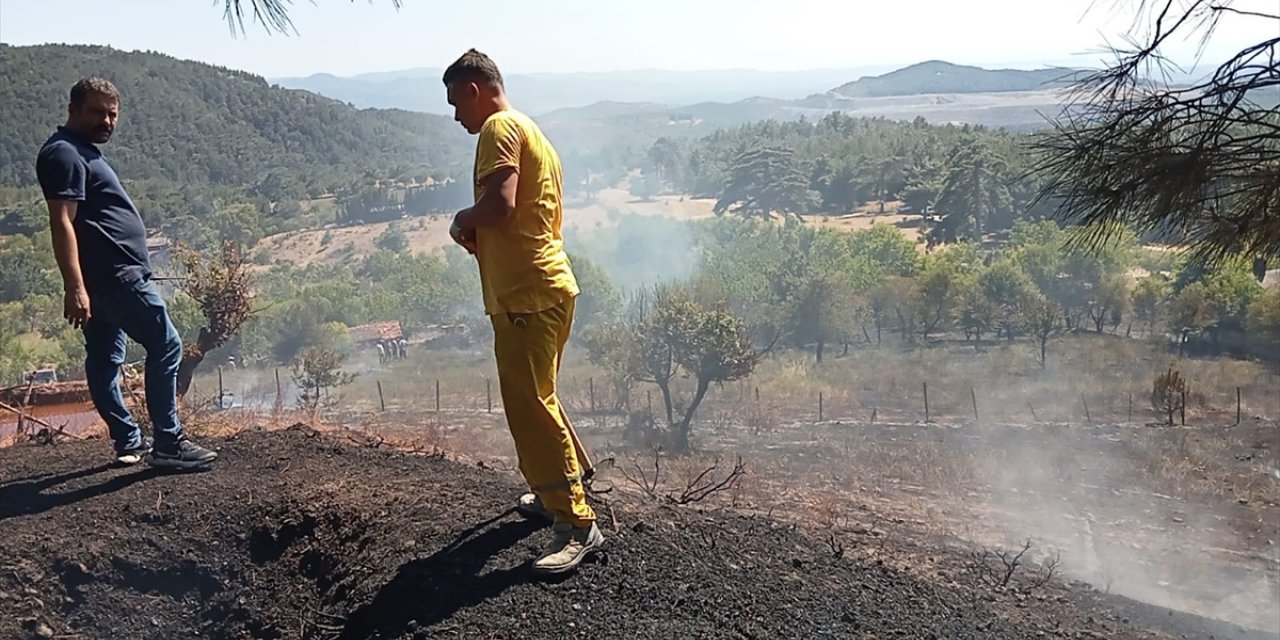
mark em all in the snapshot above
pixel 389 350
pixel 513 230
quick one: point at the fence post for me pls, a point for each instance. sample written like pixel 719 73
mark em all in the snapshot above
pixel 220 391
pixel 820 412
pixel 1237 405
pixel 974 395
pixel 382 401
pixel 757 394
pixel 1183 408
pixel 591 389
pixel 926 402
pixel 488 395
pixel 437 396
pixel 1130 421
pixel 1086 408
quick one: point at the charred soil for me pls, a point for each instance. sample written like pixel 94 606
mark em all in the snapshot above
pixel 298 534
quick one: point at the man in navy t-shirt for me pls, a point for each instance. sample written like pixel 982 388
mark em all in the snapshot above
pixel 101 247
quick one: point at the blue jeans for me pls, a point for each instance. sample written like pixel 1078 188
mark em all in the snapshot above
pixel 135 310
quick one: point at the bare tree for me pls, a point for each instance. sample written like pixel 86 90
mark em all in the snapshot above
pixel 1197 161
pixel 273 15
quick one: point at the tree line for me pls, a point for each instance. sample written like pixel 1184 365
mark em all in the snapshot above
pixel 762 285
pixel 977 179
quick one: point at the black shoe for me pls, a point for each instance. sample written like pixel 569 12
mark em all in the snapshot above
pixel 183 454
pixel 134 455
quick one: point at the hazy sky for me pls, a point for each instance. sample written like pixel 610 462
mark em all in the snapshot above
pixel 340 37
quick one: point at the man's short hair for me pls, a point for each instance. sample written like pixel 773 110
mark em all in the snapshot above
pixel 92 85
pixel 474 66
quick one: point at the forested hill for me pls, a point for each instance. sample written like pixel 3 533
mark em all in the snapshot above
pixel 936 76
pixel 187 122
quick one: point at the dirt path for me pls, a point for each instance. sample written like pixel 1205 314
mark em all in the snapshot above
pixel 301 535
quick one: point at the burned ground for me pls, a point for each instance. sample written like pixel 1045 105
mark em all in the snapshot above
pixel 297 534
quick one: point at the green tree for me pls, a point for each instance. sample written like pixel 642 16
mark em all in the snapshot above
pixel 317 373
pixel 393 239
pixel 27 268
pixel 887 249
pixel 609 346
pixel 922 185
pixel 975 196
pixel 1263 321
pixel 599 302
pixel 1109 303
pixel 1191 310
pixel 239 223
pixel 14 359
pixel 708 344
pixel 766 181
pixel 1044 320
pixel 1150 298
pixel 646 186
pixel 823 310
pixel 1008 292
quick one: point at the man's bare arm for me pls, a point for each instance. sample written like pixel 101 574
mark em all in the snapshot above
pixel 62 213
pixel 66 251
pixel 497 202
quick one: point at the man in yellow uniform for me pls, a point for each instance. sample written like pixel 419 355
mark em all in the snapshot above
pixel 529 293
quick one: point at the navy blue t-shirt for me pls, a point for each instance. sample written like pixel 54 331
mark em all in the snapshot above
pixel 109 230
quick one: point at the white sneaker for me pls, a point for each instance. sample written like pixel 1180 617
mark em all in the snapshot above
pixel 130 457
pixel 569 548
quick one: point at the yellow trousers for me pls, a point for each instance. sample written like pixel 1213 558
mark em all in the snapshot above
pixel 528 348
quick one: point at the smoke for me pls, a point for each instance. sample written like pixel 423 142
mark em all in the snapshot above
pixel 637 250
pixel 1143 512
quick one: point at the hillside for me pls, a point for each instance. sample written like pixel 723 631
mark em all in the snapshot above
pixel 297 534
pixel 538 93
pixel 936 76
pixel 187 122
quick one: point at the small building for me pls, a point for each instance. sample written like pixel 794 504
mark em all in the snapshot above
pixel 370 334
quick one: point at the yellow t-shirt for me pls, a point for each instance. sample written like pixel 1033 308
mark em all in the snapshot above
pixel 523 265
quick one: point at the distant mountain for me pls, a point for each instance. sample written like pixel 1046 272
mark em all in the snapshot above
pixel 539 93
pixel 936 76
pixel 188 122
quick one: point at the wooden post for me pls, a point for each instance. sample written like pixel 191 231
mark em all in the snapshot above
pixel 1130 421
pixel 220 391
pixel 874 411
pixel 974 395
pixel 488 395
pixel 820 408
pixel 1183 408
pixel 1034 417
pixel 926 402
pixel 437 396
pixel 1238 415
pixel 757 394
pixel 382 401
pixel 1086 408
pixel 591 389
pixel 278 391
